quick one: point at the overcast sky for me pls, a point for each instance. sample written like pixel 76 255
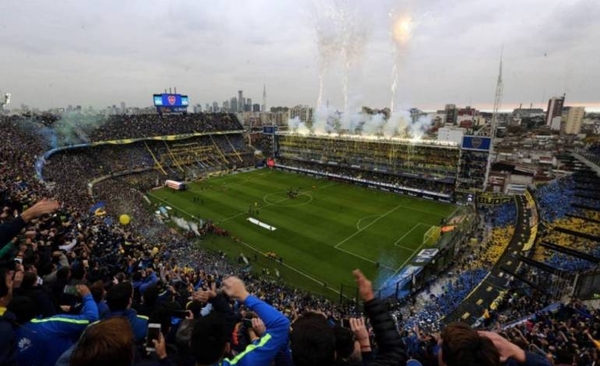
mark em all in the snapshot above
pixel 102 52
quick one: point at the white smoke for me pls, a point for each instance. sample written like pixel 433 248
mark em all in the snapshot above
pixel 341 30
pixel 329 121
pixel 418 128
pixel 297 126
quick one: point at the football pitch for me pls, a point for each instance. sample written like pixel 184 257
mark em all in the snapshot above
pixel 323 233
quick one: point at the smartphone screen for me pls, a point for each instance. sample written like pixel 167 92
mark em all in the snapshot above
pixel 153 334
pixel 70 290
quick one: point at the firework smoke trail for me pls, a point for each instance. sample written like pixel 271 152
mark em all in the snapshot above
pixel 328 40
pixel 394 84
pixel 354 35
pixel 402 29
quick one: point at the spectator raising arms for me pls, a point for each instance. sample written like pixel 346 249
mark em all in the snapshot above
pixel 313 342
pixel 210 337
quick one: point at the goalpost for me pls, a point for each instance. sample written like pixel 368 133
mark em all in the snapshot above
pixel 431 236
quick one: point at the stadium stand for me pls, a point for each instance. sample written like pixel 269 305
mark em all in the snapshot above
pixel 63 266
pixel 426 168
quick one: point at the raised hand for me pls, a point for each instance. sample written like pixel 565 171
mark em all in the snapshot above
pixel 365 287
pixel 40 208
pixel 235 288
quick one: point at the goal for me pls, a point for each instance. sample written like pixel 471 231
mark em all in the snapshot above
pixel 431 236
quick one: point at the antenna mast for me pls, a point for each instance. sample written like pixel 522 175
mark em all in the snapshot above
pixel 494 123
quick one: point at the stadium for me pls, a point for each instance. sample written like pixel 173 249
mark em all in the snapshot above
pixel 176 202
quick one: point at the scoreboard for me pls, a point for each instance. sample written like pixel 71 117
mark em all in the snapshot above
pixel 171 103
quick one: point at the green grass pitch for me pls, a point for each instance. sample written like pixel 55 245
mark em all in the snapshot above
pixel 324 233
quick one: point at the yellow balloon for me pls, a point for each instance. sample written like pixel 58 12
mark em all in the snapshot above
pixel 124 219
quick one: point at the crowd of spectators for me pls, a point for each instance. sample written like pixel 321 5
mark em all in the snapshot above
pixel 555 202
pixel 584 245
pixel 443 295
pixel 147 125
pixel 179 160
pixel 554 199
pixel 411 182
pixel 79 289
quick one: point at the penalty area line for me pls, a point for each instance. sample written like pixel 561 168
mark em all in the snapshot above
pixel 366 227
pixel 363 258
pixel 406 234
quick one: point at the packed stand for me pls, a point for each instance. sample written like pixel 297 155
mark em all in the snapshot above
pixel 149 125
pixel 76 289
pixel 563 261
pixel 407 181
pixel 175 158
pixel 555 198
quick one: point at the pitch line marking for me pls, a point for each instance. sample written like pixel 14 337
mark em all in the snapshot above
pixel 410 257
pixel 258 251
pixel 171 205
pixel 364 258
pixel 408 232
pixel 269 203
pixel 405 248
pixel 293 269
pixel 369 225
pixel 362 218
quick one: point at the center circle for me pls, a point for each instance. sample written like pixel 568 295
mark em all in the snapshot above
pixel 281 199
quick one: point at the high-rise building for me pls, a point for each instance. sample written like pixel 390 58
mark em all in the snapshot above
pixel 304 112
pixel 555 106
pixel 451 112
pixel 234 105
pixel 226 106
pixel 249 102
pixel 255 107
pixel 264 101
pixel 573 120
pixel 466 117
pixel 414 114
pixel 240 101
pixel 207 108
pixel 123 108
pixel 215 106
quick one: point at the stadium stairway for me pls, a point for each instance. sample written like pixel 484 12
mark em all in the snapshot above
pixel 493 287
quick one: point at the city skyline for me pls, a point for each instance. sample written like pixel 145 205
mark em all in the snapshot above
pixel 90 56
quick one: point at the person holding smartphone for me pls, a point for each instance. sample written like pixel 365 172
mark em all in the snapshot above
pixel 210 340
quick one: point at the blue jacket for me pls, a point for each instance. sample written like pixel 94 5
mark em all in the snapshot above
pixel 103 309
pixel 139 323
pixel 275 339
pixel 143 285
pixel 40 342
pixel 8 346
